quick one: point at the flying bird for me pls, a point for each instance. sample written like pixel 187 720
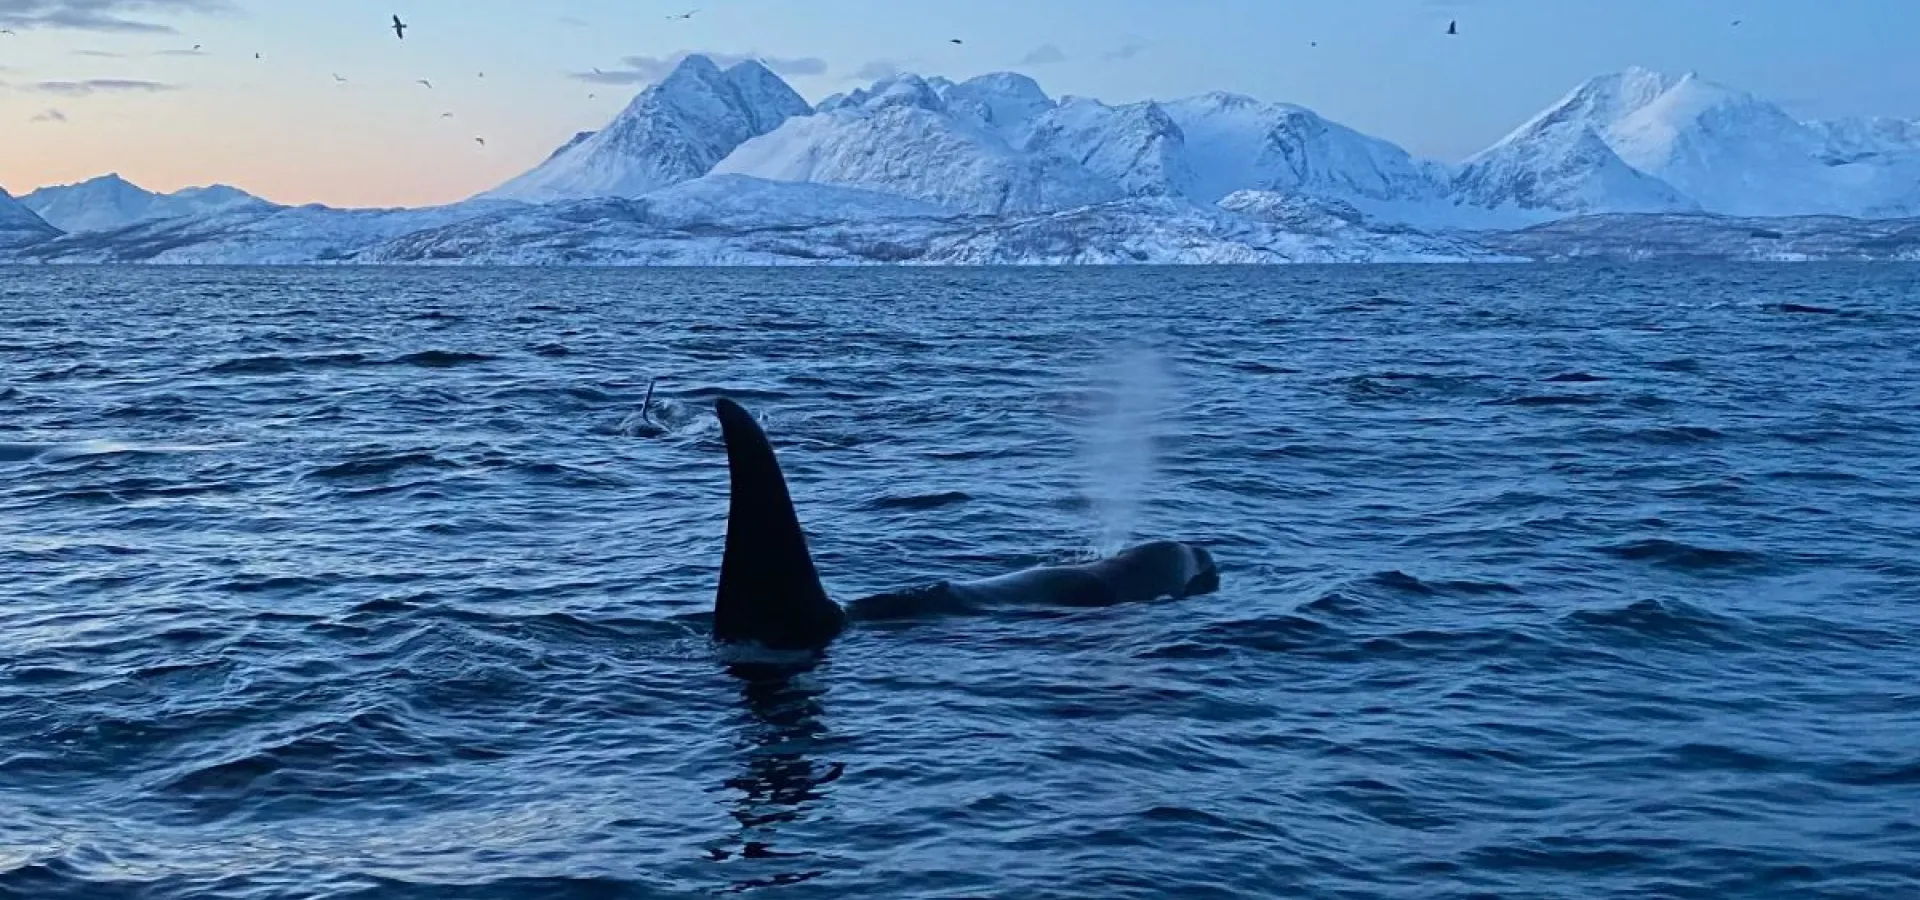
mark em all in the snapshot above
pixel 593 96
pixel 957 41
pixel 399 28
pixel 1453 27
pixel 1736 24
pixel 256 56
pixel 429 84
pixel 446 115
pixel 337 79
pixel 481 141
pixel 196 48
pixel 684 15
pixel 7 31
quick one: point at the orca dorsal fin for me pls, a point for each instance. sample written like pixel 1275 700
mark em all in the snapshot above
pixel 769 590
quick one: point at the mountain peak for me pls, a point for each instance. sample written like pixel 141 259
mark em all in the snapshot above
pixel 19 224
pixel 694 65
pixel 111 201
pixel 671 132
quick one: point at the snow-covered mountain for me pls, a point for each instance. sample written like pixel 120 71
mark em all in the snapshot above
pixel 1632 142
pixel 672 132
pixel 1553 166
pixel 1724 150
pixel 715 166
pixel 294 235
pixel 110 201
pixel 904 138
pixel 1236 143
pixel 1137 148
pixel 19 225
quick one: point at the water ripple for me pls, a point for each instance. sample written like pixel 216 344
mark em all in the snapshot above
pixel 369 584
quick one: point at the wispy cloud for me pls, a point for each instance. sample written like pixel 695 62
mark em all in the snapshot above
pixel 1125 52
pixel 115 54
pixel 51 116
pixel 123 16
pixel 649 69
pixel 1043 55
pixel 93 86
pixel 879 70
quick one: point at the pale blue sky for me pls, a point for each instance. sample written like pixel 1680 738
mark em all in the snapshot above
pixel 282 127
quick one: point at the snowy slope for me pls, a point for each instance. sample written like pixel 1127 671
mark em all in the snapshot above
pixel 1554 166
pixel 294 235
pixel 19 225
pixel 673 131
pixel 111 201
pixel 1160 232
pixel 1236 143
pixel 902 138
pixel 1005 102
pixel 1138 148
pixel 1726 150
pixel 742 201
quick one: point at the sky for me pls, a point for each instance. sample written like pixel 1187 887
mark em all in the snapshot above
pixel 95 86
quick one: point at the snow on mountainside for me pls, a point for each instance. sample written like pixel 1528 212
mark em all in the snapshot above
pixel 110 201
pixel 645 232
pixel 295 235
pixel 1553 166
pixel 673 131
pixel 1236 143
pixel 718 167
pixel 19 225
pixel 1138 148
pixel 903 138
pixel 1729 151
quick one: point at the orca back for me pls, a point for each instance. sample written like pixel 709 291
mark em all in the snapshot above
pixel 770 592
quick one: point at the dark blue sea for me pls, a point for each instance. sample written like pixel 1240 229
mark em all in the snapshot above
pixel 1538 582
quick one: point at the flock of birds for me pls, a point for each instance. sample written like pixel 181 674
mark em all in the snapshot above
pixel 399 28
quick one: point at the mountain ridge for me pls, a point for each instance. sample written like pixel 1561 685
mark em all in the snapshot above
pixel 110 201
pixel 993 169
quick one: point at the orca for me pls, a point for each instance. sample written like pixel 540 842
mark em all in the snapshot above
pixel 770 593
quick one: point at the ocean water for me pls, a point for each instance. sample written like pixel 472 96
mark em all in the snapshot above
pixel 1537 583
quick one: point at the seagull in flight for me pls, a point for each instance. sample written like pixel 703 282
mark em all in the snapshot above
pixel 337 79
pixel 429 84
pixel 481 141
pixel 446 115
pixel 399 28
pixel 957 41
pixel 1453 27
pixel 684 15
